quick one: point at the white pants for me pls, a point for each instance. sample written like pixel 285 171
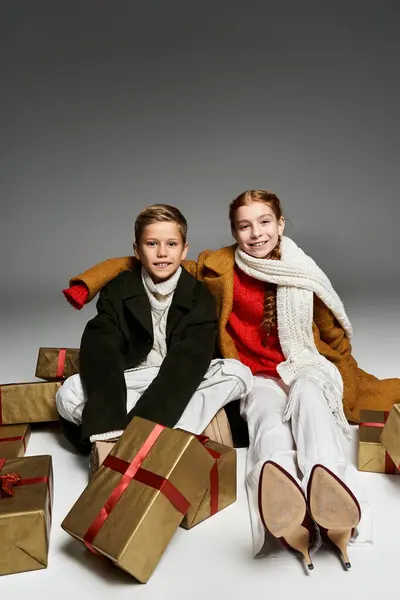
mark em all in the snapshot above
pixel 310 437
pixel 225 380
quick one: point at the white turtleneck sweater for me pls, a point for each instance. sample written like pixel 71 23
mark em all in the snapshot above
pixel 160 297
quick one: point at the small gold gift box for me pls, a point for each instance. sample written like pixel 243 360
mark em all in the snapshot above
pixel 25 513
pixel 14 440
pixel 221 489
pixel 57 363
pixel 28 402
pixel 372 455
pixel 390 437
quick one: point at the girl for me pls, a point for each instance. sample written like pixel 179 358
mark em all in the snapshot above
pixel 296 400
pixel 279 315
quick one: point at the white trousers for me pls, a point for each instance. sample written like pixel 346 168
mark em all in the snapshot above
pixel 311 437
pixel 225 380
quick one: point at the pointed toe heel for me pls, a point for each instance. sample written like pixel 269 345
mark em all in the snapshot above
pixel 283 510
pixel 334 508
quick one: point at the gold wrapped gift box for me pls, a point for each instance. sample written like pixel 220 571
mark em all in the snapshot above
pixel 25 513
pixel 28 402
pixel 132 507
pixel 390 437
pixel 372 455
pixel 57 363
pixel 13 440
pixel 220 491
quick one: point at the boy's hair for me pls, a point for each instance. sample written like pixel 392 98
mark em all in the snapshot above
pixel 157 213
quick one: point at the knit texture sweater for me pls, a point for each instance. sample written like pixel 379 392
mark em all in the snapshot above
pixel 160 297
pixel 261 353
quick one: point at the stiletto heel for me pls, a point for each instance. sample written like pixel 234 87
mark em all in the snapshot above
pixel 340 539
pixel 283 510
pixel 334 508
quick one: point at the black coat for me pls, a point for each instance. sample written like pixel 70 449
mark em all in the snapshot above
pixel 120 337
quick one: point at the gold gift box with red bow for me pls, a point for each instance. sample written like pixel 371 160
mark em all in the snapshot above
pixel 26 488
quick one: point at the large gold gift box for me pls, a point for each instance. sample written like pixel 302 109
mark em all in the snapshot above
pixel 25 513
pixel 372 455
pixel 28 402
pixel 132 507
pixel 57 363
pixel 221 489
pixel 390 437
pixel 13 440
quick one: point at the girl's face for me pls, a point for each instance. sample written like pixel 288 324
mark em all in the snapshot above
pixel 257 230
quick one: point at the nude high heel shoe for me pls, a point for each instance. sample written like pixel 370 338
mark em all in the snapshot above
pixel 283 510
pixel 334 508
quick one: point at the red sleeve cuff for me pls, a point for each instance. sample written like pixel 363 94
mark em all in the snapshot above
pixel 77 295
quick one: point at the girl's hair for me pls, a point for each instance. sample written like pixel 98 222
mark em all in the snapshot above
pixel 157 213
pixel 270 317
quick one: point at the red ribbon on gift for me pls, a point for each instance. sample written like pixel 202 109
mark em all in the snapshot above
pixel 390 467
pixel 12 439
pixel 133 470
pixel 62 355
pixel 16 438
pixel 11 480
pixel 214 482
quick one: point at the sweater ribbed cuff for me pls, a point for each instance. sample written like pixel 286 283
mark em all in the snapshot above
pixel 109 435
pixel 77 295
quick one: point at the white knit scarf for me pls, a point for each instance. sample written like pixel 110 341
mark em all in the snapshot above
pixel 298 277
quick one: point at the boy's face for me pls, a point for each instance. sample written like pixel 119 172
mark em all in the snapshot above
pixel 161 250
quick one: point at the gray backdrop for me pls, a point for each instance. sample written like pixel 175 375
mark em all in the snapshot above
pixel 108 106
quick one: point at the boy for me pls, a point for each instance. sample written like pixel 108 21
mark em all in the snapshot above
pixel 148 352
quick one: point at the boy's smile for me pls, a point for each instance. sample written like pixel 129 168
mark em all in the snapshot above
pixel 161 250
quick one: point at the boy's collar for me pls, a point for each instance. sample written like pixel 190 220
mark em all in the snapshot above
pixel 183 292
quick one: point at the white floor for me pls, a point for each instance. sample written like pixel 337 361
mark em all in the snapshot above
pixel 214 559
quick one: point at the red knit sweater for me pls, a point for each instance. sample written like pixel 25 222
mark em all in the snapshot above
pixel 244 326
